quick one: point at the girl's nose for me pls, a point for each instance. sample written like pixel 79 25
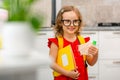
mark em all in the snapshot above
pixel 71 23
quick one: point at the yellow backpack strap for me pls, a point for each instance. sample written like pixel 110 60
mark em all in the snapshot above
pixel 60 42
pixel 82 41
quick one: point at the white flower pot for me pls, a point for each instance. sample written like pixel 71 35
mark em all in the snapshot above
pixel 17 39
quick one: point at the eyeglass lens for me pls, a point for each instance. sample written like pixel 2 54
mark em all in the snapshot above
pixel 68 22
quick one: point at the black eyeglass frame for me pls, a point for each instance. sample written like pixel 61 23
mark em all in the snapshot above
pixel 71 21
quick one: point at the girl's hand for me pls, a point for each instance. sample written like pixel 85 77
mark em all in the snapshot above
pixel 73 74
pixel 92 51
pixel 92 55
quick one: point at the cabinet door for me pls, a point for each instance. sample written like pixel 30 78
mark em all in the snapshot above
pixel 109 70
pixel 42 41
pixel 92 70
pixel 93 77
pixel 109 44
pixel 44 73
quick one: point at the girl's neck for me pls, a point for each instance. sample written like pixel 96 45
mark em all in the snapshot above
pixel 70 38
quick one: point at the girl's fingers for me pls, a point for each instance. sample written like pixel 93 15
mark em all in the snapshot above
pixel 93 50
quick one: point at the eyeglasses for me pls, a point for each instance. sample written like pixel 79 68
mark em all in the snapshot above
pixel 67 22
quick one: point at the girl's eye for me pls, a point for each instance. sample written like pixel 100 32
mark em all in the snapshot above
pixel 67 21
pixel 76 21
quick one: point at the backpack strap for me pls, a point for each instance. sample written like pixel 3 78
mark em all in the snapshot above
pixel 82 41
pixel 60 42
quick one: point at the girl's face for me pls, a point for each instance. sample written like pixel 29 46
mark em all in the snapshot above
pixel 70 22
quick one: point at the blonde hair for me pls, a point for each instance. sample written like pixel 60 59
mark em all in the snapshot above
pixel 58 23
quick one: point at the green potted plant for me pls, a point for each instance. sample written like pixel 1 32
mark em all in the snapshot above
pixel 20 10
pixel 19 30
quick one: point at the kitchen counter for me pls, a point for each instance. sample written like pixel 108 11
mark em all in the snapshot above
pixel 115 28
pixel 101 28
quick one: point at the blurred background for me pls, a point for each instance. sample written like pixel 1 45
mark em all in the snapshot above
pixel 102 23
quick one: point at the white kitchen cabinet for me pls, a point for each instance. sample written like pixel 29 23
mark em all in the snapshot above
pixel 109 70
pixel 44 73
pixel 109 44
pixel 109 60
pixel 41 41
pixel 93 77
pixel 92 70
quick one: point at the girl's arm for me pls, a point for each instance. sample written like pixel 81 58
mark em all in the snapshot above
pixel 92 55
pixel 56 67
pixel 53 55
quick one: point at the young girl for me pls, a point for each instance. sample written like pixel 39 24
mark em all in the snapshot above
pixel 68 25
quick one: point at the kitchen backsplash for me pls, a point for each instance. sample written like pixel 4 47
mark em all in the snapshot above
pixel 95 11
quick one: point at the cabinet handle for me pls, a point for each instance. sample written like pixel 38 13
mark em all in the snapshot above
pixel 41 33
pixel 116 32
pixel 88 33
pixel 116 62
pixel 92 77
